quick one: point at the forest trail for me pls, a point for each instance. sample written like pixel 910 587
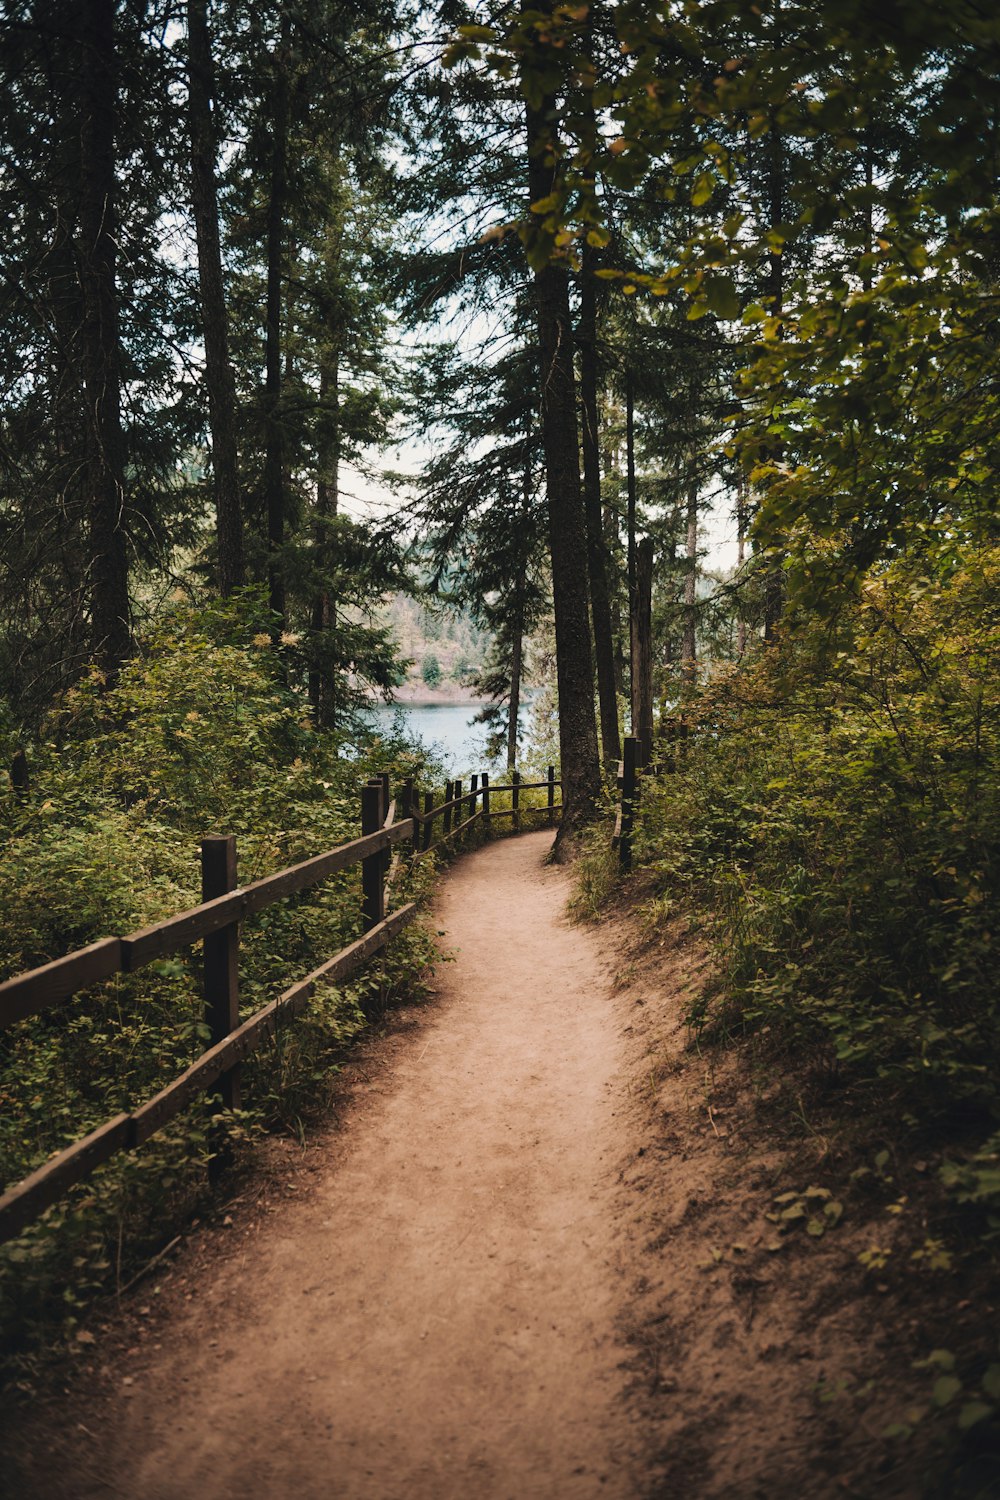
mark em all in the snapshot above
pixel 436 1316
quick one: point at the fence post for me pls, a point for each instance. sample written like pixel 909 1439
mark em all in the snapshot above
pixel 457 792
pixel 220 965
pixel 486 801
pixel 383 777
pixel 515 800
pixel 473 795
pixel 630 753
pixel 552 795
pixel 447 810
pixel 372 886
pixel 408 806
pixel 425 842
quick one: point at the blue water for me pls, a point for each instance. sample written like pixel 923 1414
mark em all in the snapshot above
pixel 446 728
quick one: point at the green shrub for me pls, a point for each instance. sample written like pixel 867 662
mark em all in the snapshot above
pixel 838 811
pixel 201 734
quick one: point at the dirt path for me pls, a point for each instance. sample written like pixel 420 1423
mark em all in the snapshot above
pixel 534 1255
pixel 437 1317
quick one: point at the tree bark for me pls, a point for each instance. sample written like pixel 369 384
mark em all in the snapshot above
pixel 644 644
pixel 774 578
pixel 516 660
pixel 517 621
pixel 580 763
pixel 633 580
pixel 597 561
pixel 741 547
pixel 612 541
pixel 218 369
pixel 324 610
pixel 105 447
pixel 869 245
pixel 274 451
pixel 689 634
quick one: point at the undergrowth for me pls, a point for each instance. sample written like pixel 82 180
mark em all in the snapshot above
pixel 831 824
pixel 199 735
pixel 835 810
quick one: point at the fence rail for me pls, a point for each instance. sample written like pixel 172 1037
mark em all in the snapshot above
pixel 216 922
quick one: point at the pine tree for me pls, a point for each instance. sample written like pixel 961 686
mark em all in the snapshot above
pixel 215 317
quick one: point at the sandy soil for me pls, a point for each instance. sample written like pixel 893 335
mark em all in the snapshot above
pixel 437 1317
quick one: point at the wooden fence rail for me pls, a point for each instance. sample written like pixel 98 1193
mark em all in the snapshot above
pixel 216 922
pixel 463 806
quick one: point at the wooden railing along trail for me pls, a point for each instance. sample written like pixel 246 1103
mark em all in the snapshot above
pixel 216 922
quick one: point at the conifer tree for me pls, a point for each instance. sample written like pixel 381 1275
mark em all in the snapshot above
pixel 219 379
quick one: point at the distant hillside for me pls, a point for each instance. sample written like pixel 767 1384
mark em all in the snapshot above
pixel 445 647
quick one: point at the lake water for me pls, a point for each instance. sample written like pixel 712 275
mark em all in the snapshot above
pixel 445 727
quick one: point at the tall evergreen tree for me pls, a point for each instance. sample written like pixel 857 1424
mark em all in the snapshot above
pixel 580 766
pixel 99 100
pixel 94 310
pixel 219 379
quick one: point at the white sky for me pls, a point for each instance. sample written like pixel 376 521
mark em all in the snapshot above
pixel 364 497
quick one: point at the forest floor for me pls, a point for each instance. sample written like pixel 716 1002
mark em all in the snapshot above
pixel 528 1258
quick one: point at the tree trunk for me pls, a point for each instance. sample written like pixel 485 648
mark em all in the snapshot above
pixel 516 660
pixel 517 621
pixel 644 643
pixel 633 589
pixel 597 561
pixel 274 451
pixel 869 246
pixel 612 540
pixel 109 599
pixel 689 635
pixel 580 763
pixel 324 610
pixel 218 369
pixel 741 545
pixel 774 579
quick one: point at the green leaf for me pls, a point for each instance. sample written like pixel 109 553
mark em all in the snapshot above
pixel 945 1389
pixel 704 186
pixel 548 204
pixel 722 296
pixel 897 1430
pixel 973 1412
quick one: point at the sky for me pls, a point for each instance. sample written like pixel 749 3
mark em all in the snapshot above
pixel 364 497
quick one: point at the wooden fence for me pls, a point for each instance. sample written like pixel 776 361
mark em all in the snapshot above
pixel 216 923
